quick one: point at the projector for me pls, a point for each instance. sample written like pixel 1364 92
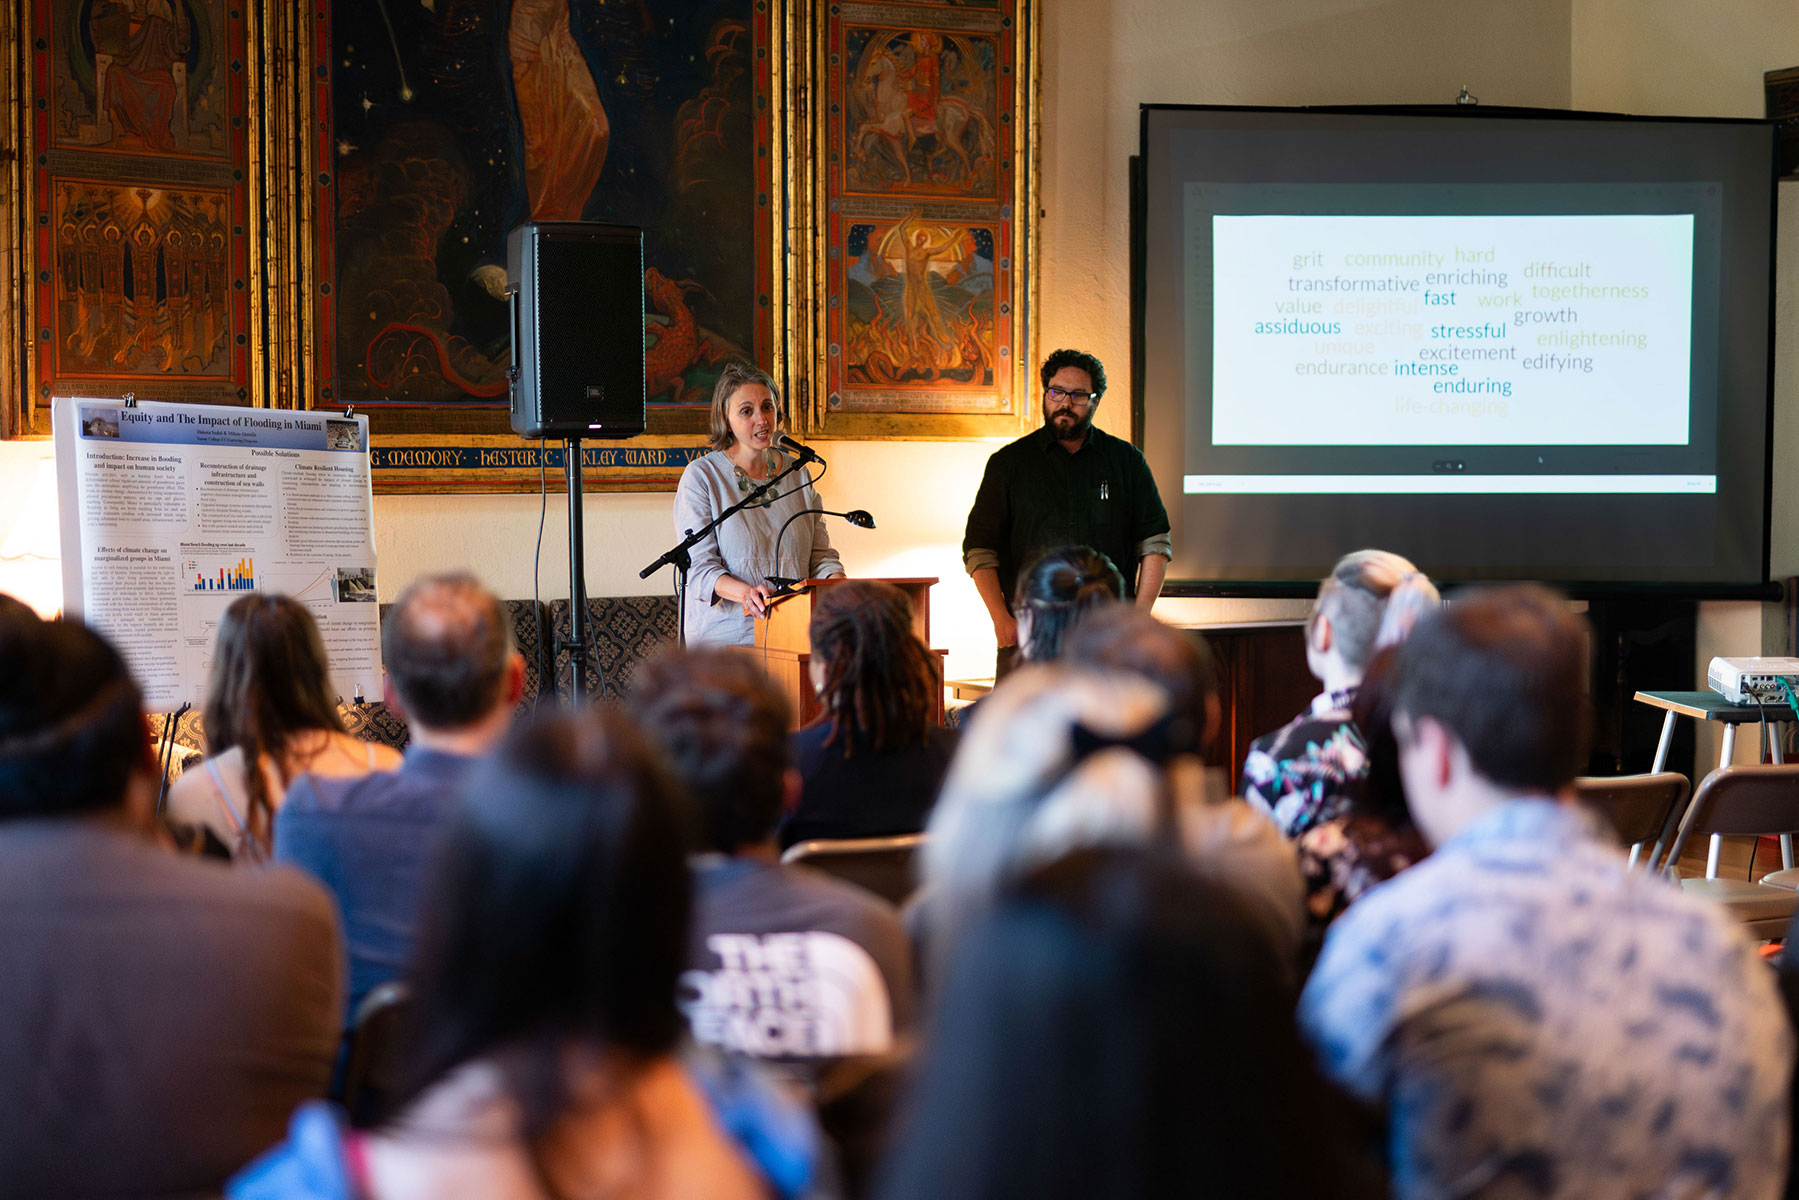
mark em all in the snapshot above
pixel 1753 680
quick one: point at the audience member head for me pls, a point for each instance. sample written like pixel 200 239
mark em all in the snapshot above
pixel 722 724
pixel 12 608
pixel 270 680
pixel 1371 599
pixel 736 375
pixel 72 732
pixel 1122 637
pixel 555 920
pixel 449 655
pixel 1490 702
pixel 1058 590
pixel 1118 1026
pixel 1039 773
pixel 875 678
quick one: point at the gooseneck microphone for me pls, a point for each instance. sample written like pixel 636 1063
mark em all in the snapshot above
pixel 804 453
pixel 859 517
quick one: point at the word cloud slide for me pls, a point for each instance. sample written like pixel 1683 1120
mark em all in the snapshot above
pixel 1564 330
pixel 170 512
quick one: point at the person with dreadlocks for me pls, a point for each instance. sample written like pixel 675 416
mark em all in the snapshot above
pixel 871 765
pixel 270 715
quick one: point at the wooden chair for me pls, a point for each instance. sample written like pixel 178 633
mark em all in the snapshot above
pixel 371 1067
pixel 1743 802
pixel 1644 810
pixel 883 865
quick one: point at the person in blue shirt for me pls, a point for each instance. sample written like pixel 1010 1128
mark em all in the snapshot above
pixel 1535 1017
pixel 454 676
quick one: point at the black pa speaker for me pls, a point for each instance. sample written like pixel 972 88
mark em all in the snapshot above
pixel 576 294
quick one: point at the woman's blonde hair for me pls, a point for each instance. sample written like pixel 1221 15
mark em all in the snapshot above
pixel 1372 598
pixel 1019 795
pixel 738 374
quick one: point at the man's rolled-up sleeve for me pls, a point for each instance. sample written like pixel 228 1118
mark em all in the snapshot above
pixel 1149 518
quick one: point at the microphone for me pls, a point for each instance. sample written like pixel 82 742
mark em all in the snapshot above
pixel 804 453
pixel 859 517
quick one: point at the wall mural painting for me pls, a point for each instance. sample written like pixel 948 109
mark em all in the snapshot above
pixel 140 200
pixel 142 76
pixel 456 120
pixel 142 280
pixel 921 288
pixel 922 107
pixel 920 303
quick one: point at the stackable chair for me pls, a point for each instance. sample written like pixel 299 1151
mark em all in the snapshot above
pixel 1644 810
pixel 371 1068
pixel 883 865
pixel 1744 802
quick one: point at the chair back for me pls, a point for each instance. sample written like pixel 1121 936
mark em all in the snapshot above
pixel 371 1068
pixel 1742 802
pixel 1641 808
pixel 882 865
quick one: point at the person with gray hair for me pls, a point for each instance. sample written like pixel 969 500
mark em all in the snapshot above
pixel 454 675
pixel 728 585
pixel 1065 758
pixel 1311 775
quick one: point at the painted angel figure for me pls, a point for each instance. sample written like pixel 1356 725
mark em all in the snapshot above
pixel 917 246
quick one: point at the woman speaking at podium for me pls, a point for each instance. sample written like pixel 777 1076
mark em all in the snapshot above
pixel 728 583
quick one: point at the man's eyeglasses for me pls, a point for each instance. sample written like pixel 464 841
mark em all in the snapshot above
pixel 1078 399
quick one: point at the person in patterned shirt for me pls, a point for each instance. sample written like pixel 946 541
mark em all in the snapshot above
pixel 1309 776
pixel 1534 1017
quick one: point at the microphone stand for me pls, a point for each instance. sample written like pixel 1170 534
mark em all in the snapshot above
pixel 857 517
pixel 679 558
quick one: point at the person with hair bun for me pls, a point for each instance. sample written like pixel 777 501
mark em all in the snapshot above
pixel 870 766
pixel 1311 774
pixel 270 715
pixel 1055 592
pixel 728 586
pixel 1063 758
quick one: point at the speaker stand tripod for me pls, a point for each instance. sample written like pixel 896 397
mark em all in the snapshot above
pixel 577 642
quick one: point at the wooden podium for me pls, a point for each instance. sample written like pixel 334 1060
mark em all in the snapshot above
pixel 784 640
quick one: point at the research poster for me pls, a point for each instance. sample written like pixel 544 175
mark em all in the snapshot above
pixel 171 511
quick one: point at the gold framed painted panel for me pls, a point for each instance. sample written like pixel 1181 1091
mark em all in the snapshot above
pixel 15 219
pixel 129 204
pixel 417 338
pixel 924 199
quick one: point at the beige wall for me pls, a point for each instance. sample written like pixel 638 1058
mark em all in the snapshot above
pixel 1683 58
pixel 1103 58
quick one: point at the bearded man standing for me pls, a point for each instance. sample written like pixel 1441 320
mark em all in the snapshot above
pixel 1066 484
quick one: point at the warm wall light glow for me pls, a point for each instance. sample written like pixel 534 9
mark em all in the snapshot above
pixel 30 554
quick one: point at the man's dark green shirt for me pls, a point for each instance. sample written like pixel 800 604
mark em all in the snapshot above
pixel 1036 497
